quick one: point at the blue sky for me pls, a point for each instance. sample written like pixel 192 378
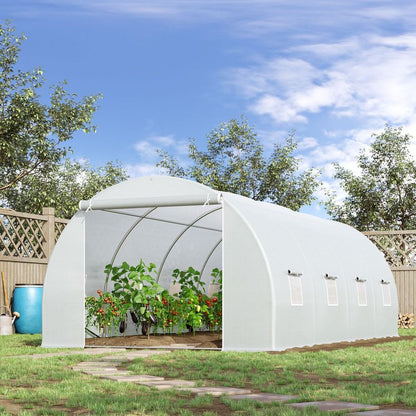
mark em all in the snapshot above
pixel 334 71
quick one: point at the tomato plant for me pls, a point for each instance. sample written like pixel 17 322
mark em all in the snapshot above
pixel 191 306
pixel 213 312
pixel 217 277
pixel 189 279
pixel 214 304
pixel 136 292
pixel 104 312
pixel 166 308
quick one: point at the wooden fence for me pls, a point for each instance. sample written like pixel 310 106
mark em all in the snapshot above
pixel 399 249
pixel 26 243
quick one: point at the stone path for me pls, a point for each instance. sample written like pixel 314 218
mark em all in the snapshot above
pixel 107 367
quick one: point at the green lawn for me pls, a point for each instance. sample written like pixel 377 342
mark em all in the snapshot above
pixel 384 374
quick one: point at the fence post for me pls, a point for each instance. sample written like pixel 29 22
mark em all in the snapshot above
pixel 49 230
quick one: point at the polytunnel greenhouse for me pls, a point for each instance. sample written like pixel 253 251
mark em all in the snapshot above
pixel 289 279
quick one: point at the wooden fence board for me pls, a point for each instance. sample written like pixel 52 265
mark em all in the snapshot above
pixel 399 249
pixel 20 273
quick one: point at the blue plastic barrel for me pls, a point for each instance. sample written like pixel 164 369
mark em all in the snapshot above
pixel 27 300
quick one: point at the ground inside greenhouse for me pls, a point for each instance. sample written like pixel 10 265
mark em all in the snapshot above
pixel 185 340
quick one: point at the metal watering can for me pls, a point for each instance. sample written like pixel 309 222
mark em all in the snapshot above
pixel 6 321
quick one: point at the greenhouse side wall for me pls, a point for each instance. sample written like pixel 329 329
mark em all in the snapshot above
pixel 305 256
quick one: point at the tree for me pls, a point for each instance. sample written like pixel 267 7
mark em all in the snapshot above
pixel 383 195
pixel 235 162
pixel 63 188
pixel 33 133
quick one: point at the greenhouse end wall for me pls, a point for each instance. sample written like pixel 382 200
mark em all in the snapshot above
pixel 63 322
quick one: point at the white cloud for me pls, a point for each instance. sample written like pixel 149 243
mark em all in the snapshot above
pixel 385 12
pixel 142 169
pixel 243 17
pixel 279 110
pixel 371 78
pixel 148 156
pixel 83 160
pixel 307 143
pixel 147 148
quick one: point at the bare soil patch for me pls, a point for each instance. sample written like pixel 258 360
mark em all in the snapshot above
pixel 346 344
pixel 214 340
pixel 199 340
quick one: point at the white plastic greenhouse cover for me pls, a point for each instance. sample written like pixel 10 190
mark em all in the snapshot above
pixel 289 279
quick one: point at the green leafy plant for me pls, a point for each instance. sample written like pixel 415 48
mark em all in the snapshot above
pixel 191 298
pixel 213 316
pixel 217 277
pixel 213 312
pixel 167 310
pixel 104 312
pixel 188 279
pixel 136 288
pixel 136 292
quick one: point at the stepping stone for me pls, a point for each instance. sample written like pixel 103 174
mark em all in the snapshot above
pixel 116 359
pixel 217 391
pixel 264 397
pixel 168 384
pixel 89 370
pixel 95 351
pixel 104 370
pixel 106 374
pixel 334 406
pixel 131 355
pixel 109 374
pixel 98 367
pixel 135 378
pixel 387 412
pixel 98 363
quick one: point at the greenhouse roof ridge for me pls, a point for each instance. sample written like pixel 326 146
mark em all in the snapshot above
pixel 213 198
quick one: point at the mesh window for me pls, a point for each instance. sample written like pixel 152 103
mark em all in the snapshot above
pixel 385 290
pixel 362 294
pixel 296 294
pixel 331 292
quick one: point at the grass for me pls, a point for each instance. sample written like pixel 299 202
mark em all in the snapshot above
pixel 22 344
pixel 384 374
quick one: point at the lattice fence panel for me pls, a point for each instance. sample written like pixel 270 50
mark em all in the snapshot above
pixel 59 227
pixel 22 237
pixel 399 247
